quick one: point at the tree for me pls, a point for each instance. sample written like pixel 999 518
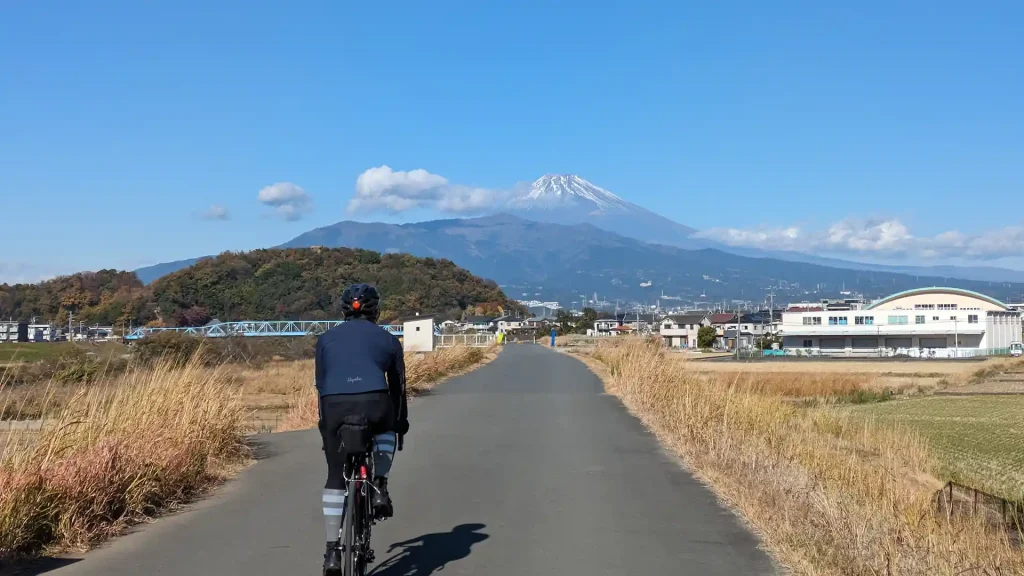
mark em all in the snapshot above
pixel 194 316
pixel 564 320
pixel 765 343
pixel 706 336
pixel 587 321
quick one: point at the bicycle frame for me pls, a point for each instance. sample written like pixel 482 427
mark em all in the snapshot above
pixel 355 528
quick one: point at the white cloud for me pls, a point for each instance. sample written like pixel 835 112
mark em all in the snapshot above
pixel 215 212
pixel 880 238
pixel 24 273
pixel 382 188
pixel 289 200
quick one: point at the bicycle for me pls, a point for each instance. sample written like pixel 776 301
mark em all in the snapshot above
pixel 356 554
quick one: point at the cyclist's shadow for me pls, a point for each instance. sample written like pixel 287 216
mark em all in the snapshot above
pixel 430 553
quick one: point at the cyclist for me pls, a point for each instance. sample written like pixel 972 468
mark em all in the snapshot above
pixel 360 371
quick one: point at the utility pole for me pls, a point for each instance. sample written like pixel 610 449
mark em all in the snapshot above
pixel 737 331
pixel 956 338
pixel 71 336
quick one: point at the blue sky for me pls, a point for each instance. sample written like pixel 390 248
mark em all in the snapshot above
pixel 123 122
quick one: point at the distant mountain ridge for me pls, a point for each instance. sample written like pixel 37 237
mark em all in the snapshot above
pixel 571 199
pixel 553 261
pixel 568 199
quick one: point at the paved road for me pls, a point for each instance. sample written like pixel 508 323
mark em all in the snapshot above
pixel 521 467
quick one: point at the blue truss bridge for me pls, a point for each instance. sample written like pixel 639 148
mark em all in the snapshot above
pixel 255 328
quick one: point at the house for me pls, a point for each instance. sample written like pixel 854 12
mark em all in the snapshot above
pixel 721 321
pixel 507 323
pixel 478 323
pixel 761 323
pixel 728 339
pixel 605 326
pixel 680 330
pixel 538 321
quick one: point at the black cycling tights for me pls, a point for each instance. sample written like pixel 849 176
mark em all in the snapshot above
pixel 378 410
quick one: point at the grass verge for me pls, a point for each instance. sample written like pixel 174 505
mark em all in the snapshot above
pixel 829 494
pixel 117 454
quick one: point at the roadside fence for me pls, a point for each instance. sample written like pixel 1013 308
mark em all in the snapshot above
pixel 482 340
pixel 957 501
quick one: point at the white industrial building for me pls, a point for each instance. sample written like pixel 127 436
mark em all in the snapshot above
pixel 931 322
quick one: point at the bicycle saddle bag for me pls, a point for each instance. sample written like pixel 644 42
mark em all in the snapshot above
pixel 355 434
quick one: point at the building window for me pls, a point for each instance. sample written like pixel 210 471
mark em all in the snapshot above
pixel 666 327
pixel 817 321
pixel 897 319
pixel 972 318
pixel 924 306
pixel 864 320
pixel 919 320
pixel 935 318
pixel 808 343
pixel 837 320
pixel 947 306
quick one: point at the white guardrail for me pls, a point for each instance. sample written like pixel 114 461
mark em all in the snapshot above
pixel 474 340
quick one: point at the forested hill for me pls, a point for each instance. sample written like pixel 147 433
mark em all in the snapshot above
pixel 307 284
pixel 293 284
pixel 104 297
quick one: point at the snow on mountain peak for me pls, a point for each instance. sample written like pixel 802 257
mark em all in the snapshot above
pixel 565 189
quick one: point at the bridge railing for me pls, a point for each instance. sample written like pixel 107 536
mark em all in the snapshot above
pixel 247 328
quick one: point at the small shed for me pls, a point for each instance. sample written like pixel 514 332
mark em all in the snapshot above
pixel 418 334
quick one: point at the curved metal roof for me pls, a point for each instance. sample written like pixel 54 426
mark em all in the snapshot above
pixel 935 289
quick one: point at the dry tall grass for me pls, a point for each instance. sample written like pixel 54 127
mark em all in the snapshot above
pixel 828 494
pixel 822 385
pixel 117 453
pixel 422 371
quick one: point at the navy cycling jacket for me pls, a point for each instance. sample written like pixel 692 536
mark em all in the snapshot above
pixel 359 356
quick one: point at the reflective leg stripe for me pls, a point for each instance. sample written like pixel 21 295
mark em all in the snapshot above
pixel 385 442
pixel 383 453
pixel 334 509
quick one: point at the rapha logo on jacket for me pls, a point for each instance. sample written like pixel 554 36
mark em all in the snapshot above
pixel 356 379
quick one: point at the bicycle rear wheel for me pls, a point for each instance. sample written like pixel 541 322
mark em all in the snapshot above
pixel 349 526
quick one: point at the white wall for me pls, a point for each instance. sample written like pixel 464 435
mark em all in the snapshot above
pixel 418 335
pixel 1001 329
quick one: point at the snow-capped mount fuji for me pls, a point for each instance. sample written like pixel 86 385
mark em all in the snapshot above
pixel 571 199
pixel 559 190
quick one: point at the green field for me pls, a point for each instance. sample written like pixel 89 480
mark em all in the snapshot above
pixel 36 351
pixel 979 440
